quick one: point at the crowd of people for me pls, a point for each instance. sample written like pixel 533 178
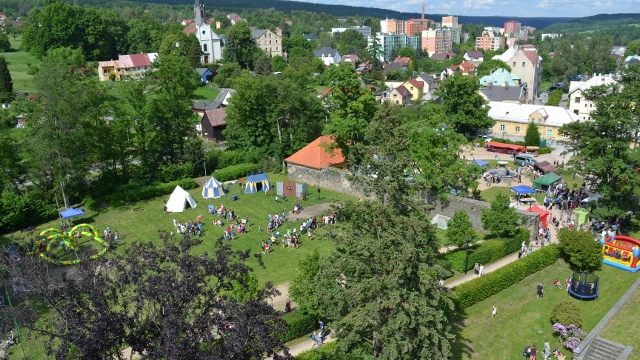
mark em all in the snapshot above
pixel 191 228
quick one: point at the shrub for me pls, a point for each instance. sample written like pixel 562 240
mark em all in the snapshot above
pixel 482 288
pixel 486 252
pixel 566 313
pixel 133 192
pixel 545 150
pixel 235 172
pixel 554 98
pixel 325 352
pixel 176 172
pixel 299 325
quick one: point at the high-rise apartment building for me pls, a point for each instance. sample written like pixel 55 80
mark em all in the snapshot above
pixel 488 41
pixel 388 42
pixel 436 40
pixel 512 28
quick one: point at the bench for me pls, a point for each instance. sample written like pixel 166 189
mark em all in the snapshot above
pixel 136 209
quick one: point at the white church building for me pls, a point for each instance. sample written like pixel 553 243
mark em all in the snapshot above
pixel 210 42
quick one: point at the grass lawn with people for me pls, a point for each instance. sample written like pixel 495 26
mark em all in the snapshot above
pixel 139 222
pixel 523 319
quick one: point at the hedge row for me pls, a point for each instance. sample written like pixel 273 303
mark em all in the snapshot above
pixel 486 252
pixel 235 172
pixel 474 291
pixel 299 325
pixel 126 193
pixel 325 352
pixel 554 98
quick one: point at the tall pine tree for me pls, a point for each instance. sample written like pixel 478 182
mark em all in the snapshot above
pixel 532 136
pixel 6 83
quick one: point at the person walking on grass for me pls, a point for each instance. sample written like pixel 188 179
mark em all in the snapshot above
pixel 540 290
pixel 494 312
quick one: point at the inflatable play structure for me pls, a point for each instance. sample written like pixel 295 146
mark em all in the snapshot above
pixel 584 286
pixel 621 251
pixel 53 237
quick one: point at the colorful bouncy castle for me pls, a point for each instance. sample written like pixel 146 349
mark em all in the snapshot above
pixel 621 251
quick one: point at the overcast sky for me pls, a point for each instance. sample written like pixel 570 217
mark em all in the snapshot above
pixel 516 8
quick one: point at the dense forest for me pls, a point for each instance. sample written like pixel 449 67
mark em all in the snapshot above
pixel 15 8
pixel 592 23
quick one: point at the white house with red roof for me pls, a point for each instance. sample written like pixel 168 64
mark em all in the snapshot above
pixel 132 66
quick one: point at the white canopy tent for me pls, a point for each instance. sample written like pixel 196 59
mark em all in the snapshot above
pixel 179 199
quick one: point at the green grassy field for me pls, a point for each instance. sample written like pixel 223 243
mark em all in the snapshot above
pixel 281 264
pixel 523 319
pixel 205 93
pixel 19 62
pixel 623 327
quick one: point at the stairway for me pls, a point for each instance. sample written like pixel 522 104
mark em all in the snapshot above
pixel 601 349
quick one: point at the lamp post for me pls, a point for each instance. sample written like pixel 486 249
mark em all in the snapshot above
pixel 466 260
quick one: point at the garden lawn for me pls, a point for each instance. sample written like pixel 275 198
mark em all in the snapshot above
pixel 623 327
pixel 523 319
pixel 206 93
pixel 140 222
pixel 18 63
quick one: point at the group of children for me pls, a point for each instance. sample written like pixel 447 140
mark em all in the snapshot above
pixel 191 228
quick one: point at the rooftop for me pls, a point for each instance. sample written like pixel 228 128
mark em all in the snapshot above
pixel 554 115
pixel 315 154
pixel 596 80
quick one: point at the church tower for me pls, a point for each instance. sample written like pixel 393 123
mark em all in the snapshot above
pixel 198 8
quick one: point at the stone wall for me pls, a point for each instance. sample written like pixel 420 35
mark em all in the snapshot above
pixel 336 180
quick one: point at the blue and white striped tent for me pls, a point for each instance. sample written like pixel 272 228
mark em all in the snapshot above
pixel 212 189
pixel 257 182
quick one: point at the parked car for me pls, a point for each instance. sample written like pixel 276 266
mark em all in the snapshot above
pixel 524 159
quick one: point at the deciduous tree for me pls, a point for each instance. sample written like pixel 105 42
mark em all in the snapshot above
pixel 240 46
pixel 466 110
pixel 6 82
pixel 5 45
pixel 501 219
pixel 580 250
pixel 459 228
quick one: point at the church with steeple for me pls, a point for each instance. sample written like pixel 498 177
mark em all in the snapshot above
pixel 210 42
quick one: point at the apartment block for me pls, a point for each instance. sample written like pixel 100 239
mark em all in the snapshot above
pixel 388 42
pixel 436 41
pixel 488 41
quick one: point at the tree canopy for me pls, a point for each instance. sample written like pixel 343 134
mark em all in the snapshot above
pixel 459 228
pixel 466 110
pixel 532 136
pixel 580 250
pixel 6 82
pixel 240 46
pixel 501 219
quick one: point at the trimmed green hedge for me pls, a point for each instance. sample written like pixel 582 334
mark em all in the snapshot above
pixel 235 172
pixel 486 252
pixel 481 288
pixel 545 150
pixel 299 325
pixel 554 98
pixel 325 352
pixel 132 193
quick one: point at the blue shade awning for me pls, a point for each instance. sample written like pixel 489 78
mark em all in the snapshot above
pixel 482 162
pixel 71 212
pixel 523 189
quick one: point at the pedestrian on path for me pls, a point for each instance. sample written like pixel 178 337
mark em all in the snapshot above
pixel 314 339
pixel 476 269
pixel 481 269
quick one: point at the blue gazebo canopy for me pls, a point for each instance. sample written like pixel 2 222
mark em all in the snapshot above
pixel 482 162
pixel 71 212
pixel 523 189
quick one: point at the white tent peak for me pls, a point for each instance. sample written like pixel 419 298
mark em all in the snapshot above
pixel 179 199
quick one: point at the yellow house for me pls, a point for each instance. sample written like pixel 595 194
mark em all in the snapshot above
pixel 415 87
pixel 512 119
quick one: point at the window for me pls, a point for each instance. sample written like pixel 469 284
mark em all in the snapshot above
pixel 585 105
pixel 549 133
pixel 503 127
pixel 517 129
pixel 539 121
pixel 514 64
pixel 575 112
pixel 204 47
pixel 524 64
pixel 577 100
pixel 411 87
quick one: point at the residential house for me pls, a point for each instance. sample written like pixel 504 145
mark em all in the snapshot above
pixel 199 107
pixel 132 66
pixel 268 41
pixel 314 156
pixel 464 68
pixel 503 92
pixel 394 66
pixel 489 41
pixel 474 56
pixel 442 56
pixel 310 37
pixel 186 22
pixel 353 59
pixel 578 103
pixel 632 59
pixel 404 59
pixel 415 87
pixel 212 124
pixel 206 75
pixel 388 42
pixel 224 96
pixel 328 55
pixel 234 18
pixel 210 42
pixel 400 96
pixel 429 82
pixel 501 77
pixel 364 68
pixel 526 63
pixel 512 119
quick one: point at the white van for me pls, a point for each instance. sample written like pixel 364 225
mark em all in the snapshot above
pixel 524 159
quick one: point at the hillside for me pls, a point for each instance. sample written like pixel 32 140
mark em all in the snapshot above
pixel 593 23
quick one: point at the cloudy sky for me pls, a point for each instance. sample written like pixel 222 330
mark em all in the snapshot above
pixel 519 8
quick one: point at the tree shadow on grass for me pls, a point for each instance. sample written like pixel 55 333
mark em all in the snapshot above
pixel 461 346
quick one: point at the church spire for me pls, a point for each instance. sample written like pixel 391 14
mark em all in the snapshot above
pixel 198 9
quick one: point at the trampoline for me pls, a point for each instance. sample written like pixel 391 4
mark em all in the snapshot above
pixel 584 286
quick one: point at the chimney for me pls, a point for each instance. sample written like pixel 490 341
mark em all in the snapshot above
pixel 490 85
pixel 506 85
pixel 422 11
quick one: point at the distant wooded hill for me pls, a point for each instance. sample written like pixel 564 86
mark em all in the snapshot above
pixel 343 10
pixel 592 23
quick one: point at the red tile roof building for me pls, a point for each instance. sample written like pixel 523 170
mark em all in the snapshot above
pixel 315 155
